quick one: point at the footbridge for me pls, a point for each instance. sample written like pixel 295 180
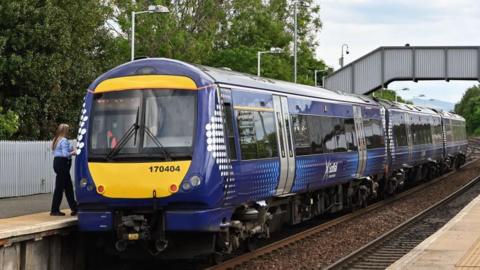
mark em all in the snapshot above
pixel 378 68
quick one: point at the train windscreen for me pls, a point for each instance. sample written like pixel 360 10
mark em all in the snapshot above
pixel 150 124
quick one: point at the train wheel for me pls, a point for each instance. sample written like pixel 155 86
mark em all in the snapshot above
pixel 216 258
pixel 251 244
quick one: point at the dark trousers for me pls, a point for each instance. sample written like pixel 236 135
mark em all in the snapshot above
pixel 63 182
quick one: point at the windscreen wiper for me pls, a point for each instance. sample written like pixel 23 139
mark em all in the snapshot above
pixel 132 130
pixel 158 143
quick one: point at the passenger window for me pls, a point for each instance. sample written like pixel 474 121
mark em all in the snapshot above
pixel 320 134
pixel 258 138
pixel 228 114
pixel 400 134
pixel 301 135
pixel 373 133
pixel 350 134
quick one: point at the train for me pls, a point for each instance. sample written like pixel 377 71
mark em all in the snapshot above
pixel 178 160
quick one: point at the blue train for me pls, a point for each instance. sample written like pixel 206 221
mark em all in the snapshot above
pixel 184 160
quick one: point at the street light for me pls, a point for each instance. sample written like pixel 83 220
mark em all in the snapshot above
pixel 151 9
pixel 295 48
pixel 259 56
pixel 344 46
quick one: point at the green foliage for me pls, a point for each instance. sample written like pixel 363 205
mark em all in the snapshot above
pixel 51 50
pixel 8 124
pixel 227 33
pixel 388 94
pixel 469 108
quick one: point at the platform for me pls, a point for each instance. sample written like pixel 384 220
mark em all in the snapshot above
pixel 455 246
pixel 40 241
pixel 29 225
pixel 26 205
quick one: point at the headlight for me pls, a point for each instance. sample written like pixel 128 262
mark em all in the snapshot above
pixel 83 182
pixel 195 181
pixel 186 186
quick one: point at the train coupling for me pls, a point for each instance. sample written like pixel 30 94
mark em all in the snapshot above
pixel 134 228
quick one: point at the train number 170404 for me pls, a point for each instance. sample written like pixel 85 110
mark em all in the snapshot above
pixel 172 168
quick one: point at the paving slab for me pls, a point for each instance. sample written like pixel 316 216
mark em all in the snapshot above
pixel 19 206
pixel 34 223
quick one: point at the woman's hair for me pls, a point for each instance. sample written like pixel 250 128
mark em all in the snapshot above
pixel 62 131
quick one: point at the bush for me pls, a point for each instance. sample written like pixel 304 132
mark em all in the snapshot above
pixel 8 124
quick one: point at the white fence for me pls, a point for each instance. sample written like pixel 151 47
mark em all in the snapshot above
pixel 26 168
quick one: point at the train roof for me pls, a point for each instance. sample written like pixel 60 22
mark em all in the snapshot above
pixel 407 107
pixel 204 76
pixel 225 76
pixel 416 108
pixel 452 116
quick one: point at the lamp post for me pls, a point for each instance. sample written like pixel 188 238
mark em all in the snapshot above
pixel 344 48
pixel 295 48
pixel 151 9
pixel 259 57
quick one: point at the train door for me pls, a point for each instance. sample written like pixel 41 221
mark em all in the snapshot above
pixel 408 122
pixel 285 145
pixel 362 145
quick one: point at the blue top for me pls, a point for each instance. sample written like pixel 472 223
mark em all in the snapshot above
pixel 63 149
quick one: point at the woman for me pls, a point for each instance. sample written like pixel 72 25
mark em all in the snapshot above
pixel 62 152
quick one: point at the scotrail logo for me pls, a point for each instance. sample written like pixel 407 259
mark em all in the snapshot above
pixel 330 169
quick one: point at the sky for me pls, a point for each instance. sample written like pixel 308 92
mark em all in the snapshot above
pixel 368 24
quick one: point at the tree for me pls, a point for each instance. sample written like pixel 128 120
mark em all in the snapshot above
pixel 388 94
pixel 186 33
pixel 8 124
pixel 259 25
pixel 469 108
pixel 51 50
pixel 226 33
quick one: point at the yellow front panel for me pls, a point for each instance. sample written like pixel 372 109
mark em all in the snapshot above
pixel 146 82
pixel 138 180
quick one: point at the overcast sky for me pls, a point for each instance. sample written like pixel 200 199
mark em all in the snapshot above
pixel 368 24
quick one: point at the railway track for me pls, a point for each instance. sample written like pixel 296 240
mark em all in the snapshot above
pixel 390 247
pixel 284 243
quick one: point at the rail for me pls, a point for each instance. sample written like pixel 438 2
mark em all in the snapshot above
pixel 267 249
pixel 367 252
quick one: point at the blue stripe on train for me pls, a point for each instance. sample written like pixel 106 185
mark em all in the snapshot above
pixel 311 172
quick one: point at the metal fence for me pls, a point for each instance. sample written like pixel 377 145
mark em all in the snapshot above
pixel 26 168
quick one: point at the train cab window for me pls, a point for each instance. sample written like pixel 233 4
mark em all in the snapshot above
pixel 257 134
pixel 149 124
pixel 228 114
pixel 167 115
pixel 373 133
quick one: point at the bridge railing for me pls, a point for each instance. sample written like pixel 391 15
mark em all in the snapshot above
pixel 26 168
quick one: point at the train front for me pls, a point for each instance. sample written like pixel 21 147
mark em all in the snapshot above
pixel 144 174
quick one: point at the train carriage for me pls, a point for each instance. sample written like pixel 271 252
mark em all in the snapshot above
pixel 168 151
pixel 455 139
